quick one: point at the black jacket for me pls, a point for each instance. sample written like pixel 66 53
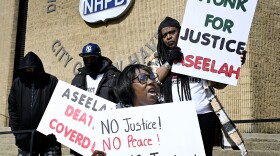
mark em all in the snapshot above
pixel 28 101
pixel 105 87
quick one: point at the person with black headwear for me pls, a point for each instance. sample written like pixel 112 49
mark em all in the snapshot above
pixel 28 99
pixel 98 76
pixel 177 87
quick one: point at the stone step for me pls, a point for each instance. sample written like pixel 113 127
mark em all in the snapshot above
pixel 6 136
pixel 219 152
pixel 261 136
pixel 7 154
pixel 262 145
pixel 8 141
pixel 8 147
pixel 65 152
pixel 257 145
pixel 12 150
pixel 5 129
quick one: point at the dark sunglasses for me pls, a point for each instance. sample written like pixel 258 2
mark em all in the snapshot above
pixel 143 78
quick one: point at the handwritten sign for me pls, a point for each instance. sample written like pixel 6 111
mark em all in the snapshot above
pixel 163 129
pixel 212 38
pixel 70 111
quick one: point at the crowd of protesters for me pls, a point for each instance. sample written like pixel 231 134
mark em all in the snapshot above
pixel 136 85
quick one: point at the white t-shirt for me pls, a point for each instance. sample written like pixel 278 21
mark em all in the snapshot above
pixel 198 94
pixel 93 84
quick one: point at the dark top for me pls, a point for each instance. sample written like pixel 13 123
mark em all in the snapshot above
pixel 105 87
pixel 28 101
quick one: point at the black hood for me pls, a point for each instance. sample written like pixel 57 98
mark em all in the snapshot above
pixel 106 63
pixel 30 60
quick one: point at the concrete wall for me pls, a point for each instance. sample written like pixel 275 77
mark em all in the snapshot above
pixel 58 37
pixel 265 64
pixel 8 30
pixel 257 93
pixel 119 38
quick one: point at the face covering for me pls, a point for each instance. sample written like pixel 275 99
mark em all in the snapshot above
pixel 31 77
pixel 93 68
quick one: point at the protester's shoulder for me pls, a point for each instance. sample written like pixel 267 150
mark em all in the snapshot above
pixel 52 77
pixel 112 70
pixel 78 78
pixel 16 81
pixel 49 79
pixel 115 69
pixel 81 72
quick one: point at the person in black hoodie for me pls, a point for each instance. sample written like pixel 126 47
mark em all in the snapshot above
pixel 28 100
pixel 98 76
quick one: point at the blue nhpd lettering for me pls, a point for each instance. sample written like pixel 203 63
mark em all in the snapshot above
pixel 93 6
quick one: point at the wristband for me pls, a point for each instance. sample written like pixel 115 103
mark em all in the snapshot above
pixel 157 80
pixel 167 65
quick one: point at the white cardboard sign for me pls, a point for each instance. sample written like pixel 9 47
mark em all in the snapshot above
pixel 213 35
pixel 157 130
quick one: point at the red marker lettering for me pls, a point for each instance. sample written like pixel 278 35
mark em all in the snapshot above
pixel 76 114
pixel 189 60
pixel 67 132
pixel 69 110
pixel 86 142
pixel 73 135
pixel 206 64
pixel 83 118
pixel 198 62
pixel 79 138
pixel 224 69
pixel 51 123
pixel 236 72
pixel 213 70
pixel 138 142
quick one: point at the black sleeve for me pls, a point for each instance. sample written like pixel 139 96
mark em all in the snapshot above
pixel 54 82
pixel 79 81
pixel 74 80
pixel 116 75
pixel 12 107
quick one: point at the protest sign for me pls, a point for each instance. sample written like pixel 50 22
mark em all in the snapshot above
pixel 212 37
pixel 154 130
pixel 71 110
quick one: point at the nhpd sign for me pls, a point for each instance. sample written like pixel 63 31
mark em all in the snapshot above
pixel 101 10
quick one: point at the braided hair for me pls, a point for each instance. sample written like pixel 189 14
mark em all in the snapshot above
pixel 163 54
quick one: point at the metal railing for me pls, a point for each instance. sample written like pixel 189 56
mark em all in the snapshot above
pixel 256 120
pixel 6 118
pixel 32 131
pixel 4 115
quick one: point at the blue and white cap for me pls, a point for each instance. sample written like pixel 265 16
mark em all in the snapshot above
pixel 90 49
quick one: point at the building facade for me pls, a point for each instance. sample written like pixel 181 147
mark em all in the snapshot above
pixel 56 32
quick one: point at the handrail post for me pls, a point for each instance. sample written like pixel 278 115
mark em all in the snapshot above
pixel 31 145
